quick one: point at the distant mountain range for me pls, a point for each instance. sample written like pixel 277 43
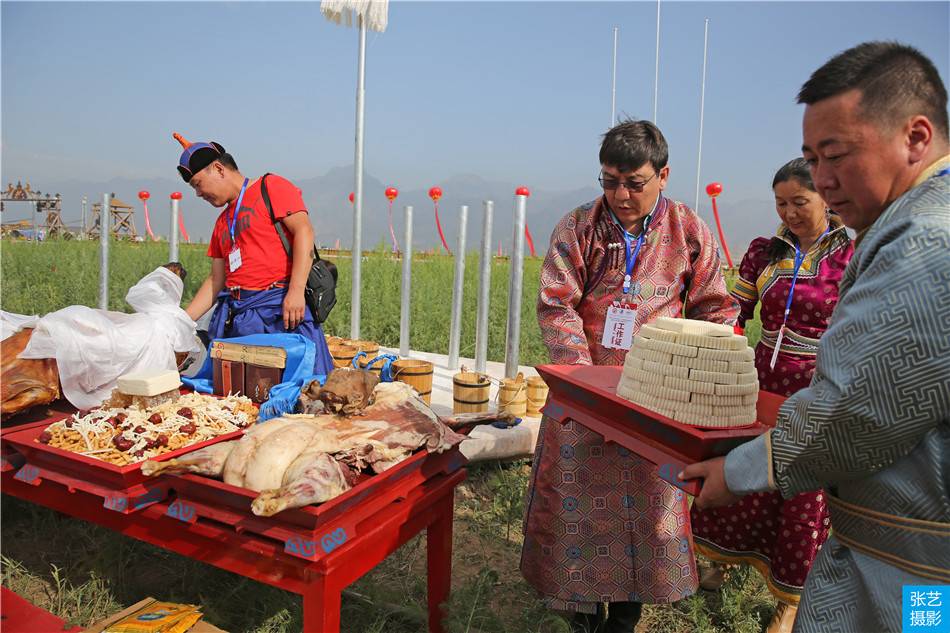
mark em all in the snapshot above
pixel 331 212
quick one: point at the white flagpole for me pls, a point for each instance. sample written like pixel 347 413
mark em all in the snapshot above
pixel 702 105
pixel 613 90
pixel 371 14
pixel 357 253
pixel 656 75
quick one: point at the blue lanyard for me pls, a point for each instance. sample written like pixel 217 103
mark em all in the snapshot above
pixel 632 261
pixel 799 259
pixel 237 207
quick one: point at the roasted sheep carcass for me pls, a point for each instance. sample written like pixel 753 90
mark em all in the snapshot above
pixel 298 460
pixel 25 383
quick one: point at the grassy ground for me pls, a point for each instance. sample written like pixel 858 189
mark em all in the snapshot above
pixel 82 572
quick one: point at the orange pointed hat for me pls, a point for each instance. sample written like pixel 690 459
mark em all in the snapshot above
pixel 196 156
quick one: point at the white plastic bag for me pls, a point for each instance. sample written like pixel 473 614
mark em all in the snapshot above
pixel 93 348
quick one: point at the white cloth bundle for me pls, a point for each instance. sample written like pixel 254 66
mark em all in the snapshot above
pixel 94 347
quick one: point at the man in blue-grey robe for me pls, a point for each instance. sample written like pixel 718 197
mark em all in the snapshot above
pixel 873 428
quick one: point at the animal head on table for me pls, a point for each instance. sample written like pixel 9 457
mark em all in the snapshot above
pixel 348 391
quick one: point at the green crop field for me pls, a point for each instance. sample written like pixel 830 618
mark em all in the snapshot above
pixel 40 278
pixel 82 572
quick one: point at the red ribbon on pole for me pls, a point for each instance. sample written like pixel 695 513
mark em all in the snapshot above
pixel 527 235
pixel 713 189
pixel 144 196
pixel 391 194
pixel 181 225
pixel 524 191
pixel 435 193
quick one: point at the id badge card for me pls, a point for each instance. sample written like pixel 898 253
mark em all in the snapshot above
pixel 618 328
pixel 234 259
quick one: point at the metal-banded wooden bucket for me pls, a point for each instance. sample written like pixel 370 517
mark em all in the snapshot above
pixel 513 396
pixel 343 354
pixel 372 351
pixel 415 373
pixel 470 392
pixel 537 396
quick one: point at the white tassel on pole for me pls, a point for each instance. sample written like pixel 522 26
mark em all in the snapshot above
pixel 374 12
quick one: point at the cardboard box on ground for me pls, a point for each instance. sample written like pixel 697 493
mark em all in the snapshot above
pixel 201 626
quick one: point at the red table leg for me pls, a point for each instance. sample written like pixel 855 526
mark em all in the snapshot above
pixel 439 561
pixel 321 607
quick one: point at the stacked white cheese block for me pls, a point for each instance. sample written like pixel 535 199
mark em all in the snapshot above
pixel 150 383
pixel 694 372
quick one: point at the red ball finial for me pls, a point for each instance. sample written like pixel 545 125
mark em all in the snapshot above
pixel 522 191
pixel 713 189
pixel 176 195
pixel 392 193
pixel 144 195
pixel 435 193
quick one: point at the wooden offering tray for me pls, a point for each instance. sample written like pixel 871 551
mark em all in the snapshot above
pixel 587 395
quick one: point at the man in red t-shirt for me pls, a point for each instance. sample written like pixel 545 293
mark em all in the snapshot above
pixel 255 286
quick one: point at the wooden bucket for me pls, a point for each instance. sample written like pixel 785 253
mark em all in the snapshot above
pixel 343 355
pixel 537 396
pixel 415 373
pixel 372 351
pixel 513 396
pixel 470 392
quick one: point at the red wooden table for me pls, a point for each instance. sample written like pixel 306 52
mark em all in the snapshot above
pixel 312 554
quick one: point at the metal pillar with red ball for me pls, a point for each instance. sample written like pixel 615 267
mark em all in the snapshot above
pixel 713 190
pixel 175 198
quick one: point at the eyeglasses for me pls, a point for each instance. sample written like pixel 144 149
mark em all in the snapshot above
pixel 633 186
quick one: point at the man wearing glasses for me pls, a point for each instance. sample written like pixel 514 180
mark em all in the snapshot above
pixel 603 533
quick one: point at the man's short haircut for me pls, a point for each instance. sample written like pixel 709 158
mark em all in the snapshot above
pixel 896 81
pixel 228 161
pixel 796 169
pixel 631 144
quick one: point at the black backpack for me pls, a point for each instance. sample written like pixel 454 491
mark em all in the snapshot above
pixel 320 293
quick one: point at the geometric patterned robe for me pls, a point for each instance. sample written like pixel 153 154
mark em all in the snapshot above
pixel 600 526
pixel 780 538
pixel 873 429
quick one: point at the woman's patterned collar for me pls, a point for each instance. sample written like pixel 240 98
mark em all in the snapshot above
pixel 785 234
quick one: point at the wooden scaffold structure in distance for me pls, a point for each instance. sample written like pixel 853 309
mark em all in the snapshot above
pixel 52 206
pixel 122 224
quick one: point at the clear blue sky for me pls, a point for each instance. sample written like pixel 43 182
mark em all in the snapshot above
pixel 509 91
